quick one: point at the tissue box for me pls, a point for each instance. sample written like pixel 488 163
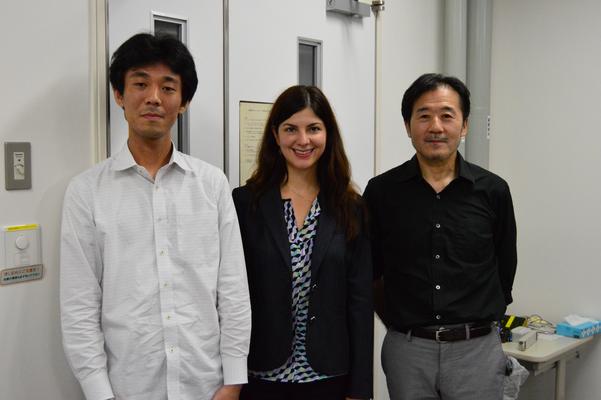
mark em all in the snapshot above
pixel 583 330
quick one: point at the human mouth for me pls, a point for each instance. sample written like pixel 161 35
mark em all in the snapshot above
pixel 152 116
pixel 436 140
pixel 303 153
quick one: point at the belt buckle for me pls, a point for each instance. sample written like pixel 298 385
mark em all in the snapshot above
pixel 438 332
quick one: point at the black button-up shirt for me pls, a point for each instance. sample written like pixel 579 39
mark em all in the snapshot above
pixel 447 257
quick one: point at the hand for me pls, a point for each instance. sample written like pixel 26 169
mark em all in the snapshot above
pixel 228 392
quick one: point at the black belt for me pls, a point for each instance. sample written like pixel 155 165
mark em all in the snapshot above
pixel 451 334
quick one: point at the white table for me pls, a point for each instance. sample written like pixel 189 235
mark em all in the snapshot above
pixel 549 352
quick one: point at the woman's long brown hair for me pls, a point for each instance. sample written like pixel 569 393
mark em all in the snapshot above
pixel 333 169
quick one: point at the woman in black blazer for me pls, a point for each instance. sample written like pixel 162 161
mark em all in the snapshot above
pixel 308 259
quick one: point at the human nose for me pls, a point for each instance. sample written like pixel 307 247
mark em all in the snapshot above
pixel 153 95
pixel 436 125
pixel 303 137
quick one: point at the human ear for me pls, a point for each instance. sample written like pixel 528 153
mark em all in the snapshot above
pixel 183 108
pixel 408 129
pixel 118 97
pixel 464 129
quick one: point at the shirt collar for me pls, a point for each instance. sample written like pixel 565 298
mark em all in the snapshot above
pixel 178 158
pixel 412 170
pixel 464 169
pixel 124 159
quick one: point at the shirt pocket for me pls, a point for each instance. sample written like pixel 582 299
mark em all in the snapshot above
pixel 472 242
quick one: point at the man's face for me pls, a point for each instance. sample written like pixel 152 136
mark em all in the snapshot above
pixel 436 126
pixel 151 100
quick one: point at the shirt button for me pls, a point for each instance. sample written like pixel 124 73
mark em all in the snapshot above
pixel 171 349
pixel 312 318
pixel 438 196
pixel 314 287
pixel 156 187
pixel 437 256
pixel 437 226
pixel 438 317
pixel 168 316
pixel 437 287
pixel 162 252
pixel 165 284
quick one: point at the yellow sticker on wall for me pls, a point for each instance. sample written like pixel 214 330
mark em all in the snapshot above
pixel 27 227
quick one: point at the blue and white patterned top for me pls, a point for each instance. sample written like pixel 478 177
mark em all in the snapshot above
pixel 297 369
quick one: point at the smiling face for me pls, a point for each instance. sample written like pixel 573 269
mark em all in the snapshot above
pixel 151 101
pixel 302 140
pixel 437 125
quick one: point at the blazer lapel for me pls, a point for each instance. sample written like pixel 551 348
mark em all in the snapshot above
pixel 325 230
pixel 273 212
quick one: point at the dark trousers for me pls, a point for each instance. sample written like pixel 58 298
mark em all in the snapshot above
pixel 325 389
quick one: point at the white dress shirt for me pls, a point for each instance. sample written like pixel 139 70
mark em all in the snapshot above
pixel 154 296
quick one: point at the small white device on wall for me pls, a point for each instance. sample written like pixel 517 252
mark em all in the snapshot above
pixel 20 254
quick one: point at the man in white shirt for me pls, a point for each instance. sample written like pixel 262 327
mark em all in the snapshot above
pixel 154 296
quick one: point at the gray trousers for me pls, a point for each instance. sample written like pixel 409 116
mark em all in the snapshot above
pixel 422 369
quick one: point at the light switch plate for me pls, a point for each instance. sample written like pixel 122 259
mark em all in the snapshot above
pixel 17 165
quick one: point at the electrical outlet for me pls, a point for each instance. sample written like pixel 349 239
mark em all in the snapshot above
pixel 17 165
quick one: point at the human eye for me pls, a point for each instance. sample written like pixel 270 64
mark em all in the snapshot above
pixel 315 128
pixel 169 89
pixel 139 84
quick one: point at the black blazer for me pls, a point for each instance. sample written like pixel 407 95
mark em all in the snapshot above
pixel 340 327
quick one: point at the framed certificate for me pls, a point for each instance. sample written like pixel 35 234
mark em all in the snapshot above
pixel 253 116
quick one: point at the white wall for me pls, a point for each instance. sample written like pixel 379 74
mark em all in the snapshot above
pixel 45 85
pixel 264 62
pixel 546 142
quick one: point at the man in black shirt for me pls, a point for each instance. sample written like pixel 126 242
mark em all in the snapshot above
pixel 444 250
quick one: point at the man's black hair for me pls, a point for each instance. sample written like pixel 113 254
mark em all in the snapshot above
pixel 144 49
pixel 430 82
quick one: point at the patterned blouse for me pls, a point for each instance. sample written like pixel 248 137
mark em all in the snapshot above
pixel 297 369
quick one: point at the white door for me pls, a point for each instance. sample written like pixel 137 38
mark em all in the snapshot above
pixel 200 26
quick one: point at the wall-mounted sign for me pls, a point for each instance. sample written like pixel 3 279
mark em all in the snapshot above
pixel 21 274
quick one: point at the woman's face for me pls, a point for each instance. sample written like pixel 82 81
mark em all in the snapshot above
pixel 302 140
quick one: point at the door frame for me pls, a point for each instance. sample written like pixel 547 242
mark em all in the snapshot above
pixel 99 87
